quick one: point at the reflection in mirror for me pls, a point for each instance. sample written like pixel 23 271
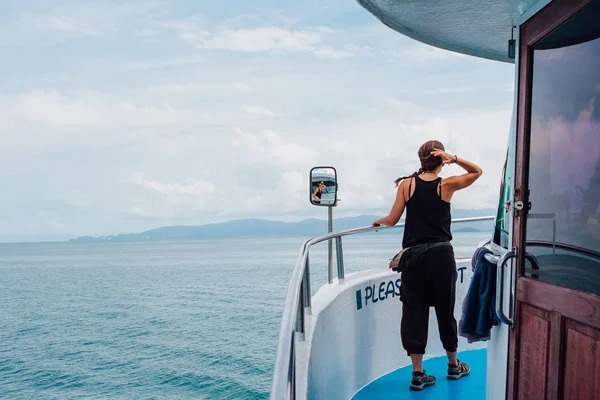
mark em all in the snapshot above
pixel 323 186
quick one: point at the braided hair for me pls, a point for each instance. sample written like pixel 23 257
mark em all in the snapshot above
pixel 429 162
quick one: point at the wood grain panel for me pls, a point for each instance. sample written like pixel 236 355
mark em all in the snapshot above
pixel 582 365
pixel 533 353
pixel 555 356
pixel 579 306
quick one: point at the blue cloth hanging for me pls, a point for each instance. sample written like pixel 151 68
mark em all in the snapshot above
pixel 478 311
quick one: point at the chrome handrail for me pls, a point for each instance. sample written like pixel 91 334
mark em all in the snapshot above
pixel 500 288
pixel 298 304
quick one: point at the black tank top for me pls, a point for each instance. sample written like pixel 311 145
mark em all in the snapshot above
pixel 427 215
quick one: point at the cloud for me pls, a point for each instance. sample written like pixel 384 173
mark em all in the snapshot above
pixel 272 39
pixel 52 121
pixel 53 109
pixel 56 110
pixel 65 23
pixel 253 204
pixel 421 54
pixel 269 148
pixel 258 111
pixel 374 148
pixel 249 88
pixel 265 39
pixel 223 87
pixel 294 181
pixel 190 187
pixel 254 173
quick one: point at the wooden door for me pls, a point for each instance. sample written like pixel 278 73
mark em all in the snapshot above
pixel 554 349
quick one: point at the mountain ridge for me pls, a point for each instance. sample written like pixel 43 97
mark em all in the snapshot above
pixel 256 227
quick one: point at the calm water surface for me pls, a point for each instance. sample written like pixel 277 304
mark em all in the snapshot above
pixel 167 320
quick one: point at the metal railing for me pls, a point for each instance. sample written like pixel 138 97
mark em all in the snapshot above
pixel 298 304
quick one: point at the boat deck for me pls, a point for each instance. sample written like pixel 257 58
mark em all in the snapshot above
pixel 395 384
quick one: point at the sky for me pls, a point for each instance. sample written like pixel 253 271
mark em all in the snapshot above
pixel 122 116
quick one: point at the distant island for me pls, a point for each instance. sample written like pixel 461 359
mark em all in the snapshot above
pixel 252 227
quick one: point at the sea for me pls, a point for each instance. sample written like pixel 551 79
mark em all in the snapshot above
pixel 157 320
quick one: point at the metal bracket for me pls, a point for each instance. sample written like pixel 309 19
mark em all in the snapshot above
pixel 512 44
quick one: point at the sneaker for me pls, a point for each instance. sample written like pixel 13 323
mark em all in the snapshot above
pixel 458 371
pixel 421 380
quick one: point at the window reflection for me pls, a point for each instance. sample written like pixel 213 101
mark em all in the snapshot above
pixel 563 225
pixel 502 215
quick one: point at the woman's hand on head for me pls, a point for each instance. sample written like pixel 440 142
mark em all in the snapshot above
pixel 446 158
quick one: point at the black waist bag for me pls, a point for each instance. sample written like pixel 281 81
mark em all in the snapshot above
pixel 407 257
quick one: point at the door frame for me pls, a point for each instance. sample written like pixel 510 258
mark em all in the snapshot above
pixel 557 300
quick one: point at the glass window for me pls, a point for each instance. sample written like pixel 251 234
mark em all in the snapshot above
pixel 502 214
pixel 563 224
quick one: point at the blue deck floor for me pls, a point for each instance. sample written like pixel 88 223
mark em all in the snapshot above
pixel 395 384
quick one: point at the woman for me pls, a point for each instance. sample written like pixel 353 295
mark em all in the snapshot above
pixel 319 192
pixel 430 280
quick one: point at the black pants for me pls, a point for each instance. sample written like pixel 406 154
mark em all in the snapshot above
pixel 430 281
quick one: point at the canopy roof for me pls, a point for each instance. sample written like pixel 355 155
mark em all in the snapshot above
pixel 479 28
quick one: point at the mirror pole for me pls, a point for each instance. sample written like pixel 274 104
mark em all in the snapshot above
pixel 329 230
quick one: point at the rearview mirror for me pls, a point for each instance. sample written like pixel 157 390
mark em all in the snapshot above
pixel 323 186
